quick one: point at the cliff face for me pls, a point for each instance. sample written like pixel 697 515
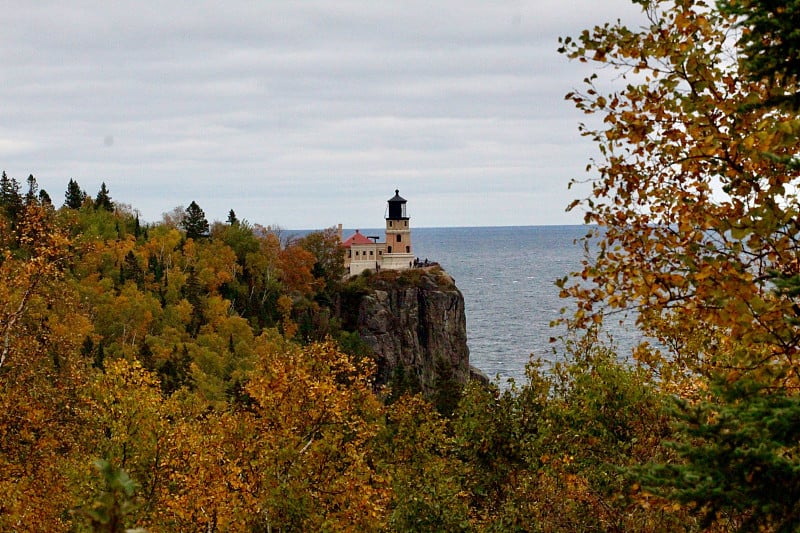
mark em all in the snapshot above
pixel 415 320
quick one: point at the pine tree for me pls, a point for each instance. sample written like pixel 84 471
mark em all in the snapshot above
pixel 194 222
pixel 10 199
pixel 103 200
pixel 44 198
pixel 74 196
pixel 5 185
pixel 232 220
pixel 771 44
pixel 739 452
pixel 193 291
pixel 131 270
pixel 32 196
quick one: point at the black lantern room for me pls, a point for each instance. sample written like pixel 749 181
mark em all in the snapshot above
pixel 397 207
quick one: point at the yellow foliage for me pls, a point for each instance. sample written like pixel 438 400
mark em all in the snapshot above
pixel 691 193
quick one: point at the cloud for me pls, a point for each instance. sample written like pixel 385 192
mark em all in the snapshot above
pixel 301 113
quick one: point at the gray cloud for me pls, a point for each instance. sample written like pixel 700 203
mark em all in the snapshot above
pixel 301 113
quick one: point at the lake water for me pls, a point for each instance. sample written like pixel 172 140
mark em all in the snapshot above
pixel 507 276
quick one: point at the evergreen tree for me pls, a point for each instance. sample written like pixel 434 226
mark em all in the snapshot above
pixel 771 42
pixel 194 222
pixel 44 198
pixel 99 356
pixel 5 185
pixel 232 220
pixel 741 456
pixel 32 196
pixel 87 348
pixel 103 200
pixel 74 196
pixel 193 292
pixel 131 270
pixel 10 199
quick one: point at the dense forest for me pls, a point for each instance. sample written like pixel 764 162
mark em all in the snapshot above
pixel 186 375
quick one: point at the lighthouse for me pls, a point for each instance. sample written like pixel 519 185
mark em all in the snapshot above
pixel 364 252
pixel 398 254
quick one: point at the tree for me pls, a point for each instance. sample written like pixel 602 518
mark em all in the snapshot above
pixel 10 199
pixel 693 194
pixel 107 513
pixel 232 220
pixel 296 459
pixel 42 254
pixel 317 406
pixel 328 257
pixel 41 329
pixel 295 264
pixel 262 271
pixel 428 494
pixel 44 198
pixel 194 222
pixel 74 197
pixel 103 200
pixel 696 197
pixel 769 42
pixel 31 197
pixel 740 458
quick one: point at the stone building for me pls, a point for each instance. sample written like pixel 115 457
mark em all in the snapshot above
pixel 364 252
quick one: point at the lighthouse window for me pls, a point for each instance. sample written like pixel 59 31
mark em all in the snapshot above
pixel 370 252
pixel 408 249
pixel 399 237
pixel 390 223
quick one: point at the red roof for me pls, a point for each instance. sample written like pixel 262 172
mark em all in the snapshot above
pixel 356 238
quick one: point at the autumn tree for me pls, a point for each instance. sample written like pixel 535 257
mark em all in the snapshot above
pixel 328 257
pixel 41 254
pixel 693 195
pixel 426 473
pixel 296 458
pixel 128 407
pixel 263 277
pixel 42 327
pixel 194 222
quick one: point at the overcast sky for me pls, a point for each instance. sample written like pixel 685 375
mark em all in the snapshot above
pixel 304 113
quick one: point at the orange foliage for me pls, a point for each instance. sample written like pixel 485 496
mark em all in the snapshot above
pixel 693 196
pixel 295 264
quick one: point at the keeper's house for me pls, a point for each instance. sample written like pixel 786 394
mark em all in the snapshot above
pixel 364 252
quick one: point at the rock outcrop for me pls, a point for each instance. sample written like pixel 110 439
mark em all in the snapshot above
pixel 414 321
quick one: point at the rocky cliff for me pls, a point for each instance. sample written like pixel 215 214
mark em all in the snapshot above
pixel 414 322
